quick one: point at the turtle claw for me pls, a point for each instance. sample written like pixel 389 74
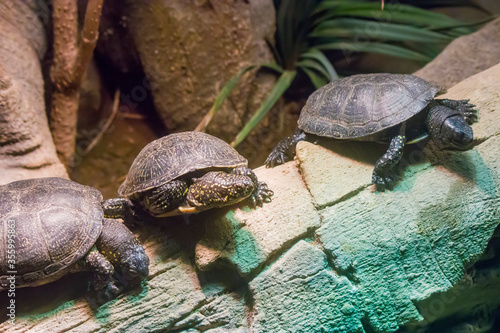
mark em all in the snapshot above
pixel 279 155
pixel 285 150
pixel 276 157
pixel 464 107
pixel 469 111
pixel 244 171
pixel 471 117
pixel 261 195
pixel 125 209
pixel 383 183
pixel 108 293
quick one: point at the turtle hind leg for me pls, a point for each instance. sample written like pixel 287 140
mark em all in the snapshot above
pixel 463 106
pixel 262 193
pixel 383 176
pixel 166 197
pixel 285 149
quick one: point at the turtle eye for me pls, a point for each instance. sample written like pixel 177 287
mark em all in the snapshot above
pixel 241 188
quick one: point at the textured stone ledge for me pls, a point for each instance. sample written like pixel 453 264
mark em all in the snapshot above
pixel 356 260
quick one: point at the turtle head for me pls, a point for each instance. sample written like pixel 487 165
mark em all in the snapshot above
pixel 218 189
pixel 449 129
pixel 134 266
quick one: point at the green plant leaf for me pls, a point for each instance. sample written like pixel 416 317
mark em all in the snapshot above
pixel 323 60
pixel 359 28
pixel 348 5
pixel 314 65
pixel 220 98
pixel 394 13
pixel 468 26
pixel 281 86
pixel 293 25
pixel 273 66
pixel 381 48
pixel 317 81
pixel 398 17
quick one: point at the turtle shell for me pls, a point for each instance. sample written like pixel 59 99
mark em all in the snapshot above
pixel 175 155
pixel 361 105
pixel 55 223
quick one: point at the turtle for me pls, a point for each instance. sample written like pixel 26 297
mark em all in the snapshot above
pixel 54 226
pixel 381 107
pixel 185 173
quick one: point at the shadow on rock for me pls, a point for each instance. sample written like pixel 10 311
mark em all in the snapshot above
pixel 167 238
pixel 364 152
pixel 46 300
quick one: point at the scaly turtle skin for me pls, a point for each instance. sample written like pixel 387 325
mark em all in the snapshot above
pixel 54 226
pixel 185 173
pixel 390 108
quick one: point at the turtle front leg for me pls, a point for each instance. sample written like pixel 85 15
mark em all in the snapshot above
pixel 120 246
pixel 285 149
pixel 101 268
pixel 383 177
pixel 122 208
pixel 102 272
pixel 463 106
pixel 166 197
pixel 262 193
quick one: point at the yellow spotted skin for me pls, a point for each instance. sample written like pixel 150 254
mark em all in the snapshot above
pixel 115 240
pixel 217 189
pixel 113 208
pixel 122 250
pixel 383 176
pixel 165 197
pixel 204 191
pixel 103 269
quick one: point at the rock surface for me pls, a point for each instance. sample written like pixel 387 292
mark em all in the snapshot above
pixel 190 49
pixel 465 56
pixel 493 6
pixel 301 293
pixel 358 261
pixel 26 146
pixel 106 166
pixel 248 238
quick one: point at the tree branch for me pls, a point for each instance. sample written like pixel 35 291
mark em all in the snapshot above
pixel 65 18
pixel 90 33
pixel 68 69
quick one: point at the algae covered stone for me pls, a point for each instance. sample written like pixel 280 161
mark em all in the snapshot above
pixel 301 293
